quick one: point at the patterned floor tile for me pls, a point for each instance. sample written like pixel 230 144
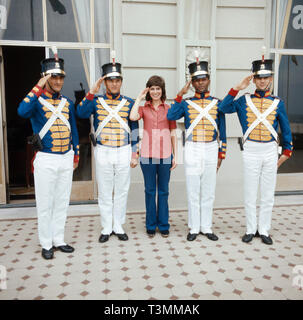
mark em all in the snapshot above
pixel 157 268
pixel 251 295
pixel 230 296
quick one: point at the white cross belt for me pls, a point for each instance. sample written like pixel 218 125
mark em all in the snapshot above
pixel 261 117
pixel 203 113
pixel 112 114
pixel 57 113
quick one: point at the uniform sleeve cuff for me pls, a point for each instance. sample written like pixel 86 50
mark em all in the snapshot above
pixel 178 99
pixel 287 153
pixel 76 158
pixel 233 92
pixel 221 155
pixel 172 125
pixel 90 96
pixel 37 91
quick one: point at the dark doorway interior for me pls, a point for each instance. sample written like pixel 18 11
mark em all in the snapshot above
pixel 21 73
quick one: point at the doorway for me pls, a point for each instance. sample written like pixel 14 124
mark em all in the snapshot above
pixel 21 73
pixel 21 67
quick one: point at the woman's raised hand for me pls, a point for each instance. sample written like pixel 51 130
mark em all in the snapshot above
pixel 143 94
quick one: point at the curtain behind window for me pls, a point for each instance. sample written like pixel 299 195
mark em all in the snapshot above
pixel 197 19
pixel 283 19
pixel 4 10
pixel 81 11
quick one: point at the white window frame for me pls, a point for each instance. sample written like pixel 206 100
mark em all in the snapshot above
pixel 286 179
pixel 278 52
pixel 91 46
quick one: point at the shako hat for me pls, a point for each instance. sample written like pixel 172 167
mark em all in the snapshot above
pixel 112 70
pixel 198 70
pixel 53 66
pixel 262 68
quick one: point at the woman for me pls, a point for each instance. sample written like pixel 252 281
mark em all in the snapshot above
pixel 158 153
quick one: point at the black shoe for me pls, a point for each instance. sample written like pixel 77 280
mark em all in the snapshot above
pixel 191 236
pixel 121 236
pixel 164 233
pixel 48 254
pixel 66 248
pixel 266 240
pixel 248 237
pixel 103 238
pixel 210 236
pixel 151 233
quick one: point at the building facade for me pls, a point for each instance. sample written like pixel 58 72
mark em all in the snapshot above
pixel 149 37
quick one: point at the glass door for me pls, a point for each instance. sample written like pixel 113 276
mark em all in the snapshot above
pixel 2 134
pixel 287 40
pixel 81 30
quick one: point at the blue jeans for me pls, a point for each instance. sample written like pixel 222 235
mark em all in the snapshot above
pixel 156 174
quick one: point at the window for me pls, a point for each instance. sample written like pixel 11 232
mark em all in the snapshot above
pixel 287 49
pixel 81 31
pixel 21 20
pixel 197 37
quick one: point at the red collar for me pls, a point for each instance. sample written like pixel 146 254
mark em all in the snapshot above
pixel 51 95
pixel 202 95
pixel 262 95
pixel 113 97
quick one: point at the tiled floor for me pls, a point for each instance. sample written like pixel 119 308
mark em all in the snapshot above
pixel 160 268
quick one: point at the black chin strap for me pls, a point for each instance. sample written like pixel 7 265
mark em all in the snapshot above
pixel 268 88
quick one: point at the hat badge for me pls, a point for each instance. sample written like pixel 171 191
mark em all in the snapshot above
pixel 57 65
pixel 114 69
pixel 262 67
pixel 198 67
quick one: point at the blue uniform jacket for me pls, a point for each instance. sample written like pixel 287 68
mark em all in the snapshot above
pixel 113 134
pixel 262 100
pixel 58 139
pixel 204 131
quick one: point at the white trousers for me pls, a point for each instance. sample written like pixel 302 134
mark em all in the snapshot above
pixel 53 175
pixel 113 179
pixel 260 169
pixel 200 169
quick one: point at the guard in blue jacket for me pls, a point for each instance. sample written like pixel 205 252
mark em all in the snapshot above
pixel 116 141
pixel 205 147
pixel 56 141
pixel 260 114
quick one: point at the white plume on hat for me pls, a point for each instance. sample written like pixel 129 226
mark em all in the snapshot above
pixel 113 56
pixel 55 52
pixel 197 53
pixel 263 50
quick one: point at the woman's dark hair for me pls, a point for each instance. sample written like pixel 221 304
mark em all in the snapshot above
pixel 156 81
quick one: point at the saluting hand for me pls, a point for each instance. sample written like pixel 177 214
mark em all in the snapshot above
pixel 96 87
pixel 142 94
pixel 185 89
pixel 41 83
pixel 244 83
